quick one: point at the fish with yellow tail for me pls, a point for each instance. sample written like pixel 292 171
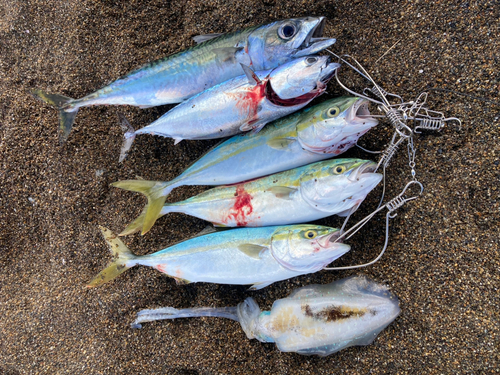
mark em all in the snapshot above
pixel 299 195
pixel 244 256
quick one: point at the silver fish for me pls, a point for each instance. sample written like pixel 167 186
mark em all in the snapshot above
pixel 312 192
pixel 214 60
pixel 244 103
pixel 258 256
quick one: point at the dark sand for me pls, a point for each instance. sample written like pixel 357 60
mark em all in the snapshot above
pixel 443 258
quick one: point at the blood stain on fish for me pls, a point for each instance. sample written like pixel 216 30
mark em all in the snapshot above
pixel 248 102
pixel 162 267
pixel 242 207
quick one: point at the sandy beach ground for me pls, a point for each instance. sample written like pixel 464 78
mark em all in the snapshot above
pixel 443 257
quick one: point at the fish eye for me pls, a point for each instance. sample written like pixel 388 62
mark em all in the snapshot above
pixel 287 31
pixel 333 112
pixel 310 234
pixel 339 169
pixel 311 60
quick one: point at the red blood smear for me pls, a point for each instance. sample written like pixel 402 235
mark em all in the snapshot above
pixel 249 101
pixel 242 207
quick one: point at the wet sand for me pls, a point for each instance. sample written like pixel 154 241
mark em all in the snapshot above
pixel 442 260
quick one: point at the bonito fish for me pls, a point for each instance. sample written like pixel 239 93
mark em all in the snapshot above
pixel 315 134
pixel 257 256
pixel 214 60
pixel 245 103
pixel 314 319
pixel 303 194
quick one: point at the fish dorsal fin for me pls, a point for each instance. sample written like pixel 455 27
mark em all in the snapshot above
pixel 253 251
pixel 204 37
pixel 282 192
pixel 280 143
pixel 253 79
pixel 227 53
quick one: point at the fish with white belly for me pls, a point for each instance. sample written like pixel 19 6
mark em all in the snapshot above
pixel 257 256
pixel 245 103
pixel 299 195
pixel 313 134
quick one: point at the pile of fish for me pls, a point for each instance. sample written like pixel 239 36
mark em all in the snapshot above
pixel 270 179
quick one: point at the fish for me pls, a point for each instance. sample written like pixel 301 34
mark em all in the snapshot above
pixel 215 59
pixel 308 193
pixel 312 320
pixel 244 103
pixel 243 256
pixel 314 134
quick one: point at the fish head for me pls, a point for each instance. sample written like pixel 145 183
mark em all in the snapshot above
pixel 338 185
pixel 302 76
pixel 335 122
pixel 306 248
pixel 274 44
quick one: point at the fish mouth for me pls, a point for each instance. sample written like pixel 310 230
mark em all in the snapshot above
pixel 328 71
pixel 314 41
pixel 360 115
pixel 327 240
pixel 334 237
pixel 333 249
pixel 367 168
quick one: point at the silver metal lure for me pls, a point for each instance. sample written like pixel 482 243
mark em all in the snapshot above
pixel 315 319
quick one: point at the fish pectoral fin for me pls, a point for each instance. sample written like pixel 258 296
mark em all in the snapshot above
pixel 204 37
pixel 280 143
pixel 177 140
pixel 254 125
pixel 225 54
pixel 181 281
pixel 253 251
pixel 261 285
pixel 282 192
pixel 253 79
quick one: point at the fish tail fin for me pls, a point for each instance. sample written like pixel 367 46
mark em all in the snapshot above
pixel 156 192
pixel 67 111
pixel 128 134
pixel 136 225
pixel 121 256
